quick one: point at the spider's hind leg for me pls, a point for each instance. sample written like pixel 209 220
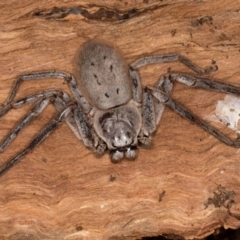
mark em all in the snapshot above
pixel 30 99
pixel 205 83
pixel 166 58
pixel 35 111
pixel 71 81
pixel 61 99
pixel 166 81
pixel 58 98
pixel 51 126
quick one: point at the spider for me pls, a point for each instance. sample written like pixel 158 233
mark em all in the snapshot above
pixel 111 110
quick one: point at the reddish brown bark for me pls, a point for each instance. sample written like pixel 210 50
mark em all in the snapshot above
pixel 187 185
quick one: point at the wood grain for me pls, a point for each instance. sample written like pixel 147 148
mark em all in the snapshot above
pixel 187 185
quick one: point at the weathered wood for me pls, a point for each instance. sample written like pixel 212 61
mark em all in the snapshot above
pixel 187 185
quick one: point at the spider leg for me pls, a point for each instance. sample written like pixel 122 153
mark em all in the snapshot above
pixel 32 98
pixel 152 110
pixel 171 58
pixel 178 108
pixel 88 135
pixel 205 83
pixel 164 84
pixel 61 99
pixel 35 111
pixel 136 83
pixel 52 125
pixel 51 74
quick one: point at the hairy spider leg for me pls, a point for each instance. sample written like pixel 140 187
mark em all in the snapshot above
pixel 29 99
pixel 45 132
pixel 152 112
pixel 166 58
pixel 59 98
pixel 198 82
pixel 51 74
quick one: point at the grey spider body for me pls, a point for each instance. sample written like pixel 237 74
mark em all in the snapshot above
pixel 103 69
pixel 111 110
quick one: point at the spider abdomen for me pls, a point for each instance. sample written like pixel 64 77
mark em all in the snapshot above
pixel 103 75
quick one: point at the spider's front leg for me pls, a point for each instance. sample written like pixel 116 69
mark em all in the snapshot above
pixel 88 135
pixel 152 110
pixel 166 58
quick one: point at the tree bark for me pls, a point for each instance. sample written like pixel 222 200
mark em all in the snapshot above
pixel 185 186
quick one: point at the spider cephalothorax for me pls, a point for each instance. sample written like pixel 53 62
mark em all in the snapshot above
pixel 119 128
